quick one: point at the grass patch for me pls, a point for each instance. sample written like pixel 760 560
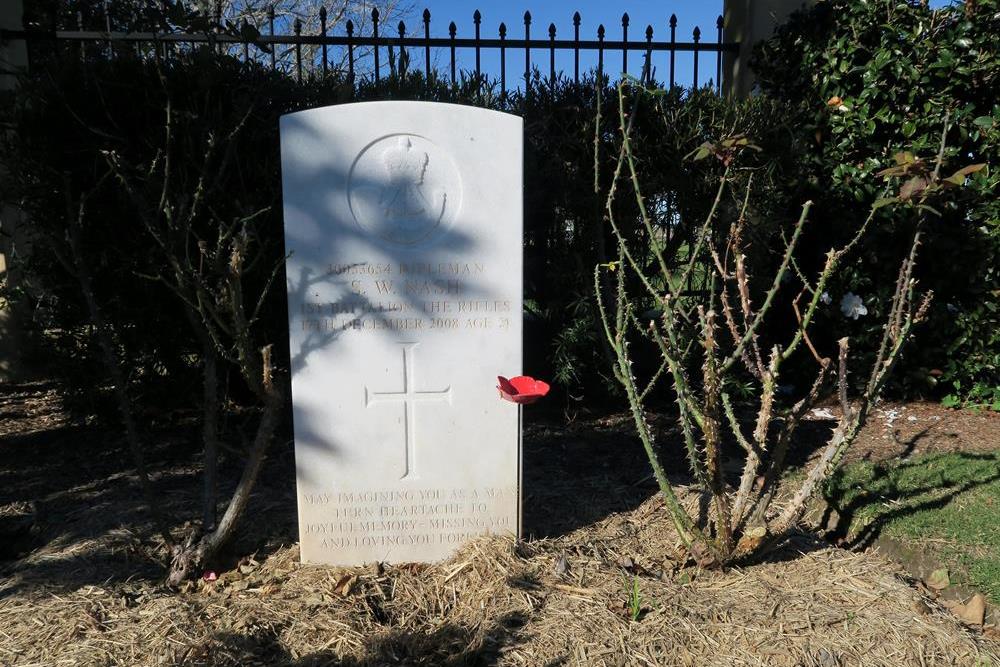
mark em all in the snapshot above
pixel 949 504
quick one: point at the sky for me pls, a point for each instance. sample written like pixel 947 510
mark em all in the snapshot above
pixel 690 13
pixel 592 12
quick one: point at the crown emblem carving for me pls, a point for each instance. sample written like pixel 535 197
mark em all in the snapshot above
pixel 403 195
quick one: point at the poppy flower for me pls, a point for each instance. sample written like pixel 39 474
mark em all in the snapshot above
pixel 521 389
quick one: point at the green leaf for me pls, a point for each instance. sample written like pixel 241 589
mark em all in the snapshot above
pixel 884 201
pixel 984 122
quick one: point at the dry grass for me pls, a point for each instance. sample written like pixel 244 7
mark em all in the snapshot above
pixel 548 602
pixel 86 592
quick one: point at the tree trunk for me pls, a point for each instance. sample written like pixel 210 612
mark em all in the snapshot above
pixel 192 556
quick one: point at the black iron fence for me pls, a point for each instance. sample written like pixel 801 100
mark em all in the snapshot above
pixel 352 53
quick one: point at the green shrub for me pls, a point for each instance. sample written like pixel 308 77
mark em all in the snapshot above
pixel 862 81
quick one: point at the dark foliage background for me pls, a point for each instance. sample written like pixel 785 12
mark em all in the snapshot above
pixel 71 112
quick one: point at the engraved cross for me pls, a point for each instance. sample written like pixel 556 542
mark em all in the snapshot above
pixel 408 397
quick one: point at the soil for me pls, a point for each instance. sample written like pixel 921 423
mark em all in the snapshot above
pixel 80 566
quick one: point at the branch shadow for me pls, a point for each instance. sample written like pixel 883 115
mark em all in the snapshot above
pixel 899 502
pixel 575 477
pixel 449 645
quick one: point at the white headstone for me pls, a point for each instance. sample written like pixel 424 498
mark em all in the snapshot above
pixel 403 221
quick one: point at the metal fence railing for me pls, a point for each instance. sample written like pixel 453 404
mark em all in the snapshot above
pixel 316 54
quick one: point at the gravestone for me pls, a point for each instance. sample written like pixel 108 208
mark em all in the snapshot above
pixel 403 222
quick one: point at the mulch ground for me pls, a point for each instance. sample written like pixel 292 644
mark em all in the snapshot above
pixel 81 581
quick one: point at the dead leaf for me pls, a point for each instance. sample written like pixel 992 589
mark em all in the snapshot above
pixel 972 612
pixel 958 178
pixel 751 539
pixel 345 585
pixel 938 580
pixel 913 188
pixel 562 566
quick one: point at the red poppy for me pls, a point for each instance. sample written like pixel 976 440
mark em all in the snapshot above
pixel 521 389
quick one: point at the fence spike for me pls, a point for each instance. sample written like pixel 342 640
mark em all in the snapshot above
pixel 270 23
pixel 625 21
pixel 427 48
pixel 401 30
pixel 697 38
pixel 378 73
pixel 527 52
pixel 503 62
pixel 719 25
pixel 322 29
pixel 297 28
pixel 576 47
pixel 600 51
pixel 477 19
pixel 350 50
pixel 673 39
pixel 552 56
pixel 452 30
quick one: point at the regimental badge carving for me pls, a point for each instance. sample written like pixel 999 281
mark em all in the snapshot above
pixel 404 189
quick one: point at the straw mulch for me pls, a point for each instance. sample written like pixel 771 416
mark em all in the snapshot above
pixel 547 602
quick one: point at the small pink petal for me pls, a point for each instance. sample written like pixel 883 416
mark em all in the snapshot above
pixel 209 575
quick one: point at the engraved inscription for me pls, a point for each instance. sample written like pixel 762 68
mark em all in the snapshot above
pixel 404 189
pixel 402 517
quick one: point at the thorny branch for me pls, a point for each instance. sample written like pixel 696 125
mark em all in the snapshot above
pixel 742 521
